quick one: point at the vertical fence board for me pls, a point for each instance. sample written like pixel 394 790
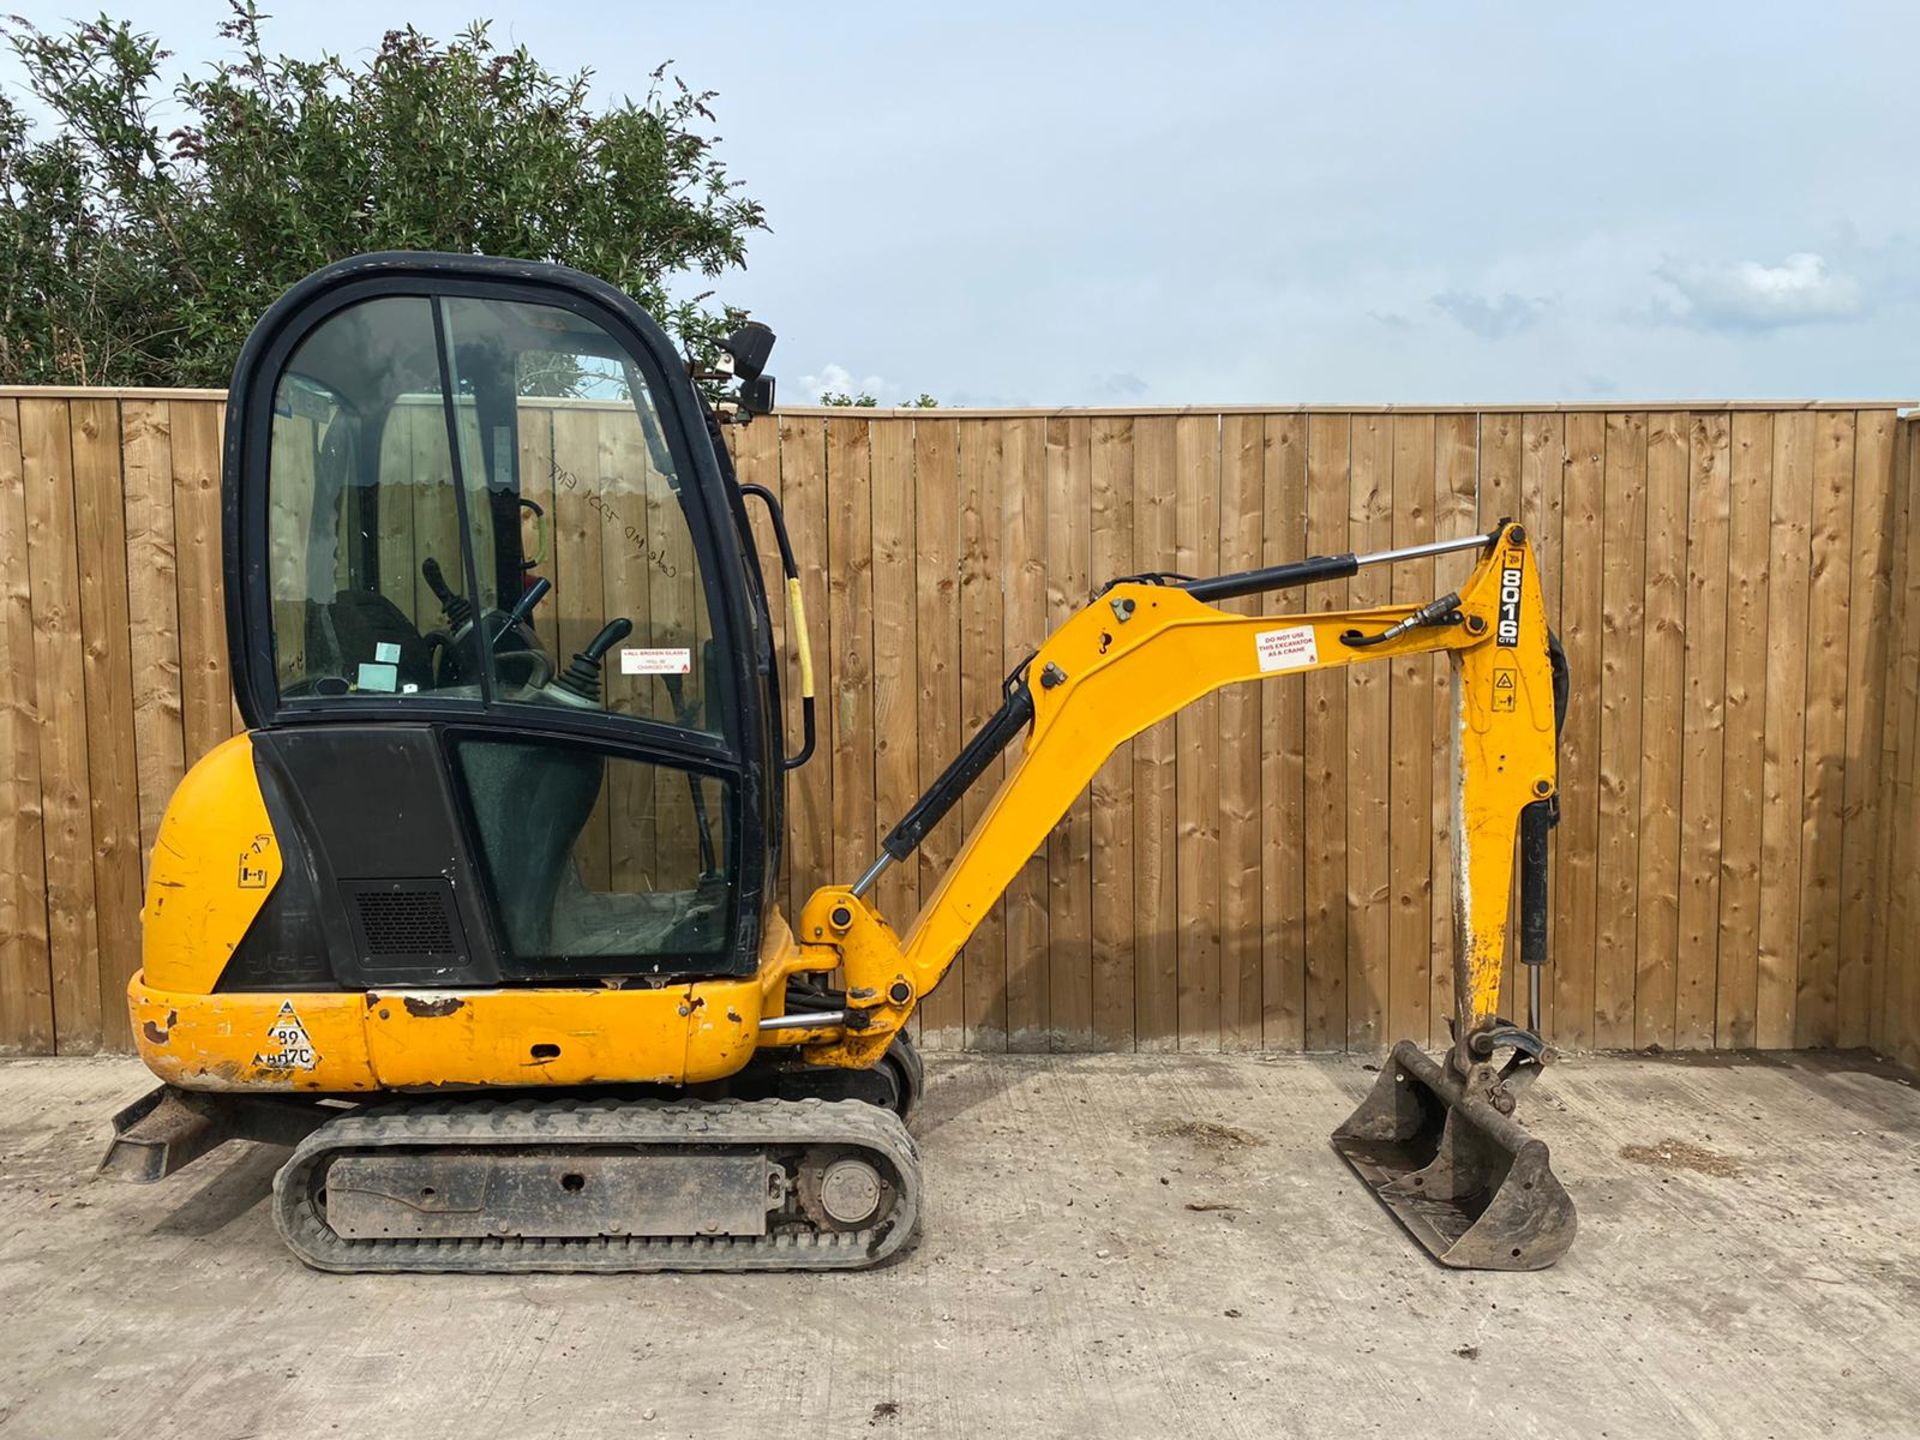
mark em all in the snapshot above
pixel 936 530
pixel 803 498
pixel 756 459
pixel 1110 506
pixel 153 606
pixel 205 684
pixel 1410 739
pixel 850 632
pixel 896 644
pixel 1743 763
pixel 1786 723
pixel 26 975
pixel 1870 618
pixel 112 785
pixel 1196 860
pixel 1898 1014
pixel 1243 446
pixel 1023 560
pixel 53 563
pixel 1823 776
pixel 1581 567
pixel 1156 941
pixel 1467 457
pixel 1703 731
pixel 1283 818
pixel 1069 458
pixel 647 810
pixel 1662 728
pixel 1622 618
pixel 1329 450
pixel 1369 748
pixel 577 564
pixel 982 445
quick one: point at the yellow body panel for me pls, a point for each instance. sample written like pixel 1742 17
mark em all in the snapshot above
pixel 215 861
pixel 413 1039
pixel 1134 656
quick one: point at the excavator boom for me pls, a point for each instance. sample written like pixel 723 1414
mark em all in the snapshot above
pixel 1434 1142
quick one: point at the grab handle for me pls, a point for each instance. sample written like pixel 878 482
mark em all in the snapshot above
pixel 797 606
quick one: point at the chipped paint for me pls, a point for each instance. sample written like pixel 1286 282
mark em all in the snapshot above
pixel 434 1007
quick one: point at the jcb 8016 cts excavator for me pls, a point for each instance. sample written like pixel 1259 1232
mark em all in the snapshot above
pixel 489 936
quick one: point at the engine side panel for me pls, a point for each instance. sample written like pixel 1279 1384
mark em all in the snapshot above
pixel 216 859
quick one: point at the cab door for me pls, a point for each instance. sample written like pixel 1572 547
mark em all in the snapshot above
pixel 490 618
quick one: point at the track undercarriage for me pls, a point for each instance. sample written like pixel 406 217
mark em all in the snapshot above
pixel 787 1167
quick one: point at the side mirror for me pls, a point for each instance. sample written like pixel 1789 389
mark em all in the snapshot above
pixel 756 396
pixel 749 346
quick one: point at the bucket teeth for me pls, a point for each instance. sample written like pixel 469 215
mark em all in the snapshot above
pixel 1470 1184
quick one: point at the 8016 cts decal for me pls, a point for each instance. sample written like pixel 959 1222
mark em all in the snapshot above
pixel 1511 570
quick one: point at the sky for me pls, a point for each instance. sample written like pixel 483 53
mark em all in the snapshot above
pixel 1123 204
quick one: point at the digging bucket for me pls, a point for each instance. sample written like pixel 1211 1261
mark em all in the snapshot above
pixel 1470 1184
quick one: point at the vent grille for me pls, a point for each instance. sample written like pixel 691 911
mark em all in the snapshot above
pixel 406 923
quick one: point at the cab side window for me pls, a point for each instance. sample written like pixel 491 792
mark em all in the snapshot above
pixel 582 467
pixel 364 533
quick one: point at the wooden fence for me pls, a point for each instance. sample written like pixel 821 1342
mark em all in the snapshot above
pixel 1268 869
pixel 1894 940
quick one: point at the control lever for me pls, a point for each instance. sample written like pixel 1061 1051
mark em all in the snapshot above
pixel 536 592
pixel 583 671
pixel 457 608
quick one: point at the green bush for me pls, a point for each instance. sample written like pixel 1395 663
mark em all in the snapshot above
pixel 129 256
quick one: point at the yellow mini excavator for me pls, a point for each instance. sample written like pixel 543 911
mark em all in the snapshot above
pixel 489 937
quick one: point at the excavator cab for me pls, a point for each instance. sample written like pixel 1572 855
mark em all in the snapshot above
pixel 485 560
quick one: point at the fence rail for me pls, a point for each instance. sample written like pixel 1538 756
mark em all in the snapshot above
pixel 1267 869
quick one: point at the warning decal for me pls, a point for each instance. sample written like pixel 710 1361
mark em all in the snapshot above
pixel 1290 649
pixel 636 661
pixel 253 869
pixel 288 1047
pixel 1505 688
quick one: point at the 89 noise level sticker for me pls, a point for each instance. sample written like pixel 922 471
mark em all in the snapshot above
pixel 288 1045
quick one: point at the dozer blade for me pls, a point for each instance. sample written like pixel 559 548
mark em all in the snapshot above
pixel 1470 1184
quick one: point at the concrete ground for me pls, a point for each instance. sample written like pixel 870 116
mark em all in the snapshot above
pixel 1113 1246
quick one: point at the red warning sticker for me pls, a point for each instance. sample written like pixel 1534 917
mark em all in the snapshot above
pixel 1290 649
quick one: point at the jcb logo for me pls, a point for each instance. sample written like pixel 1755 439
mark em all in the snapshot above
pixel 1508 633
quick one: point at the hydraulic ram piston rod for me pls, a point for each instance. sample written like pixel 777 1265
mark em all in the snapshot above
pixel 1317 568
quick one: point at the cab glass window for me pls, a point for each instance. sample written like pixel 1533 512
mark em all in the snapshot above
pixel 517 531
pixel 365 548
pixel 599 861
pixel 584 493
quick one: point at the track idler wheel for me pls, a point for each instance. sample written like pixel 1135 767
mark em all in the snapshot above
pixel 1465 1180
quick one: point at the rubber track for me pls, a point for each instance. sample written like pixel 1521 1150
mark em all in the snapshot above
pixel 481 1123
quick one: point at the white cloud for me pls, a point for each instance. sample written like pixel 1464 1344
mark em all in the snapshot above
pixel 838 380
pixel 1746 295
pixel 1121 385
pixel 1491 318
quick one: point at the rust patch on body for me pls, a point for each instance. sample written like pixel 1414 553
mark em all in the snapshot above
pixel 154 1033
pixel 432 1009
